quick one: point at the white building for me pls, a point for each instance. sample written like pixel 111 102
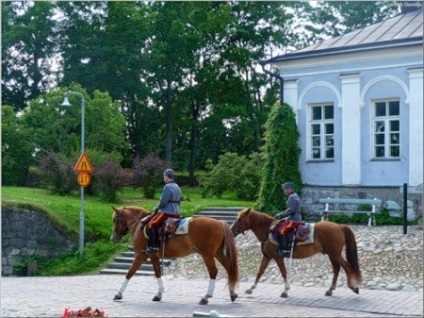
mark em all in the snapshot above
pixel 358 99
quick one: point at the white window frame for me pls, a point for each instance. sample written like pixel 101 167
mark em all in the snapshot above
pixel 323 136
pixel 387 119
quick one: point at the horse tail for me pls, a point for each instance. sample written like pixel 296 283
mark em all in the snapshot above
pixel 228 251
pixel 352 252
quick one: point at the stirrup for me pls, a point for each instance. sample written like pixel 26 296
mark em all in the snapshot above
pixel 151 250
pixel 283 253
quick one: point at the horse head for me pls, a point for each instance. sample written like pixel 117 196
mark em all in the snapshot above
pixel 120 225
pixel 125 220
pixel 241 224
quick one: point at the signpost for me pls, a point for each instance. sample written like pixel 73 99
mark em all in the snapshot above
pixel 84 168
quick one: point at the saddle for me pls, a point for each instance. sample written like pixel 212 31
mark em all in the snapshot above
pixel 172 226
pixel 304 233
pixel 301 232
pixel 169 227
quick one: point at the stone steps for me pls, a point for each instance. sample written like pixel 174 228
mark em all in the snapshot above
pixel 123 261
pixel 225 214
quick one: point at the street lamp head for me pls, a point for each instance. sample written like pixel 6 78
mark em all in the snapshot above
pixel 66 102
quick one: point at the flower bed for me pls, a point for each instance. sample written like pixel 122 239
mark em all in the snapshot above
pixel 86 312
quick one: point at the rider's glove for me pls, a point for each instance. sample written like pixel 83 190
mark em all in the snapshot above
pixel 278 216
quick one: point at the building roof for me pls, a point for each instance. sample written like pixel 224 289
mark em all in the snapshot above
pixel 402 30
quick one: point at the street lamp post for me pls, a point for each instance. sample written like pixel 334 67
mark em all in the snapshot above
pixel 81 220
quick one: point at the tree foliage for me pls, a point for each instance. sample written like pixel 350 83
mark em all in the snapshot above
pixel 16 152
pixel 176 79
pixel 148 174
pixel 236 173
pixel 281 158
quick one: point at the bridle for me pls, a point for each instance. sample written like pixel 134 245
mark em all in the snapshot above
pixel 237 223
pixel 119 220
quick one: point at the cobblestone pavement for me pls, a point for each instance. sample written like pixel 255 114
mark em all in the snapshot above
pixel 49 296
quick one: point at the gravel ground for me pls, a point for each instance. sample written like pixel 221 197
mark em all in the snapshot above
pixel 389 260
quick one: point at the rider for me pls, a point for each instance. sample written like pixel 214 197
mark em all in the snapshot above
pixel 293 218
pixel 168 206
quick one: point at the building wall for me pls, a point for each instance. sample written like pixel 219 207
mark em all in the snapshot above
pixel 351 82
pixel 311 195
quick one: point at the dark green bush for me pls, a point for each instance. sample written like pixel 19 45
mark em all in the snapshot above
pixel 57 173
pixel 233 173
pixel 381 218
pixel 281 159
pixel 148 174
pixel 110 178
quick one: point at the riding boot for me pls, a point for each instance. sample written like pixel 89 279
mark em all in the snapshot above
pixel 289 240
pixel 283 249
pixel 153 241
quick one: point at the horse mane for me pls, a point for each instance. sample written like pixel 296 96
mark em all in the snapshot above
pixel 246 211
pixel 131 208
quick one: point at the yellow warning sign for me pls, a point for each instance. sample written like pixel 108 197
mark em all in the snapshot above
pixel 84 164
pixel 83 179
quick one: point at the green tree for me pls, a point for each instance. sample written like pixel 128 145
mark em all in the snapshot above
pixel 29 48
pixel 55 128
pixel 281 158
pixel 15 150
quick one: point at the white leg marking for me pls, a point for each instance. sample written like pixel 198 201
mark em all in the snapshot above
pixel 211 287
pixel 161 287
pixel 123 286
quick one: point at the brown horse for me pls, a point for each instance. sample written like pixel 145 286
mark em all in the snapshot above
pixel 330 238
pixel 208 237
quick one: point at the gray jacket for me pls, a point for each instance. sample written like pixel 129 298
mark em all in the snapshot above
pixel 293 209
pixel 170 199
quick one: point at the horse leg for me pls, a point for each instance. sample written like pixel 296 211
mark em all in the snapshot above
pixel 138 260
pixel 340 260
pixel 231 286
pixel 353 286
pixel 336 270
pixel 264 264
pixel 158 274
pixel 282 267
pixel 213 271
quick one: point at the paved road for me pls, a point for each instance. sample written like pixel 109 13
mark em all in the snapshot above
pixel 48 296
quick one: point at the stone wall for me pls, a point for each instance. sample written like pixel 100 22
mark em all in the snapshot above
pixel 312 194
pixel 27 231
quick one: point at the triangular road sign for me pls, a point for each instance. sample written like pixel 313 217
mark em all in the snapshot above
pixel 83 164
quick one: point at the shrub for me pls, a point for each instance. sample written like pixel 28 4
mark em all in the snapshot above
pixel 248 182
pixel 148 174
pixel 109 178
pixel 57 173
pixel 234 173
pixel 281 158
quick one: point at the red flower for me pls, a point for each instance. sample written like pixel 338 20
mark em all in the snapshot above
pixel 87 312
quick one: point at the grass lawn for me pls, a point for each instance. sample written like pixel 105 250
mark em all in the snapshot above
pixel 98 249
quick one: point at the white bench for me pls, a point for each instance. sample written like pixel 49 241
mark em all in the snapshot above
pixel 374 203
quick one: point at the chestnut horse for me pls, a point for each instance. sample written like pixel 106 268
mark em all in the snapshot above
pixel 208 237
pixel 330 238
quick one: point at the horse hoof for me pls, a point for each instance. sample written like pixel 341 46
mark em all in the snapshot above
pixel 249 291
pixel 355 289
pixel 233 297
pixel 284 295
pixel 328 293
pixel 203 301
pixel 157 298
pixel 118 296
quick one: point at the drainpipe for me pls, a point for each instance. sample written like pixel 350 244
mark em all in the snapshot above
pixel 281 80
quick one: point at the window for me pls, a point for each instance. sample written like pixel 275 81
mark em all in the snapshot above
pixel 386 129
pixel 322 132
